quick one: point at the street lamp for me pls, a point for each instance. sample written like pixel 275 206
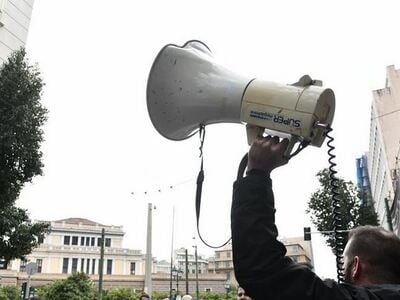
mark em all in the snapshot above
pixel 177 273
pixel 197 269
pixel 227 287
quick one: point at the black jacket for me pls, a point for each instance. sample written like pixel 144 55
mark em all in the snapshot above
pixel 261 267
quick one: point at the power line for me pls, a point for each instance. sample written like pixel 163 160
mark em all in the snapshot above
pixel 161 189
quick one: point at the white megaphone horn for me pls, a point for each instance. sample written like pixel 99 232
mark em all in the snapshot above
pixel 187 88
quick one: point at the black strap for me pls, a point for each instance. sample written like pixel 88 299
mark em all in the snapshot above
pixel 200 179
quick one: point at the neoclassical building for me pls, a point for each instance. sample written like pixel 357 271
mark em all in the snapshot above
pixel 73 245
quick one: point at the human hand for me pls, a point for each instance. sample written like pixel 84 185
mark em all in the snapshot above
pixel 267 153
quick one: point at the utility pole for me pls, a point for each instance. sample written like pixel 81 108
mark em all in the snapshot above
pixel 147 279
pixel 187 272
pixel 101 264
pixel 388 215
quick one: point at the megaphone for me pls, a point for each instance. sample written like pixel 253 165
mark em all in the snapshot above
pixel 187 88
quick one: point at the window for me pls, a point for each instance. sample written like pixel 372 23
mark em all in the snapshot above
pixel 74 265
pixel 82 265
pixel 93 240
pixel 133 268
pixel 22 266
pixel 208 289
pixel 87 265
pixel 82 241
pixel 216 254
pixel 67 240
pixel 99 242
pixel 193 271
pixel 87 241
pixel 40 239
pixel 199 271
pixel 228 254
pixel 227 264
pixel 39 263
pixel 109 266
pixel 93 266
pixel 65 265
pixel 108 242
pixel 75 240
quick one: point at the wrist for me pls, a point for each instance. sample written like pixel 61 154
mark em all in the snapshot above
pixel 255 171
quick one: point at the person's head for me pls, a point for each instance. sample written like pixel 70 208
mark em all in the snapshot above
pixel 241 294
pixel 144 297
pixel 372 256
pixel 187 297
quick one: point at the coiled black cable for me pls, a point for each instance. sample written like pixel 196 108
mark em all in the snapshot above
pixel 339 239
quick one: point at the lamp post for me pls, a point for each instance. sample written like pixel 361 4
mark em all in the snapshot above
pixel 177 274
pixel 227 286
pixel 197 269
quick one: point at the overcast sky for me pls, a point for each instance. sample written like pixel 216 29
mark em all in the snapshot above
pixel 101 147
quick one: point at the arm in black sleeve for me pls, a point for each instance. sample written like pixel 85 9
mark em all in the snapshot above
pixel 261 267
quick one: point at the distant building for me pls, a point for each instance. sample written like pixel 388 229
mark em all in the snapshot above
pixel 384 149
pixel 73 245
pixel 15 16
pixel 222 263
pixel 363 179
pixel 180 262
pixel 298 250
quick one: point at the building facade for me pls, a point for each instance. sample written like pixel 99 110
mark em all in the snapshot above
pixel 73 245
pixel 384 147
pixel 180 262
pixel 363 179
pixel 15 16
pixel 297 249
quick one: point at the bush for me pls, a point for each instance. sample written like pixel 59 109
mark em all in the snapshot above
pixel 120 294
pixel 9 293
pixel 78 286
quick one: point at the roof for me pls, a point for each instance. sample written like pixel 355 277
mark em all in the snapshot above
pixel 77 221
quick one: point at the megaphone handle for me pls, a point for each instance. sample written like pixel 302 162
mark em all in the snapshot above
pixel 293 140
pixel 253 132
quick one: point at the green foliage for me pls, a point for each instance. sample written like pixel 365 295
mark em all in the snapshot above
pixel 159 295
pixel 217 296
pixel 78 286
pixel 353 213
pixel 21 118
pixel 120 294
pixel 9 293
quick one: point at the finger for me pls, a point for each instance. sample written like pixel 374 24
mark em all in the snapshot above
pixel 282 145
pixel 275 139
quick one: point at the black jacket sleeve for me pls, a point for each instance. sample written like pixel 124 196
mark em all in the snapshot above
pixel 261 267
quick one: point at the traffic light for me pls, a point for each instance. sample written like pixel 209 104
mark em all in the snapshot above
pixel 307 233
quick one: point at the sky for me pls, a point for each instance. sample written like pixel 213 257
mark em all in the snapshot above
pixel 101 152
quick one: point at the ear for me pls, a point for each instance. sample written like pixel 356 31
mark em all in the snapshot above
pixel 356 268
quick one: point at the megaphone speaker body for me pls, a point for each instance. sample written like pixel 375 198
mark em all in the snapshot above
pixel 187 88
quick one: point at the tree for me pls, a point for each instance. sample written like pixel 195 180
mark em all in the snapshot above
pixel 21 119
pixel 78 286
pixel 353 212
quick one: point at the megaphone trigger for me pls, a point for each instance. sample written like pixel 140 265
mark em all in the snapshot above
pixel 253 132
